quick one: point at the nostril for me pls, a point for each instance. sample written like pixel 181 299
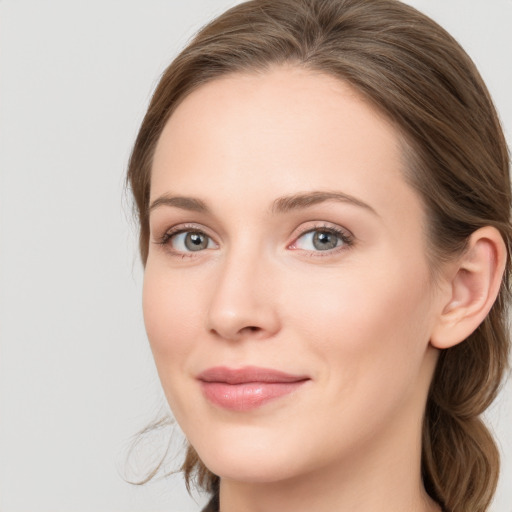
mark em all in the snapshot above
pixel 246 330
pixel 251 329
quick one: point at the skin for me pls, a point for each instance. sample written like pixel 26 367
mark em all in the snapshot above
pixel 357 320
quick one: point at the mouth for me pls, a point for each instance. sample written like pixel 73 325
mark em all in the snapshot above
pixel 247 388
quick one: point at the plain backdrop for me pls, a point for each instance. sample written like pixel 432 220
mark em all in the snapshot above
pixel 76 376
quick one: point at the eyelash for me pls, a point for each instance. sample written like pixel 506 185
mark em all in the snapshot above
pixel 346 238
pixel 182 228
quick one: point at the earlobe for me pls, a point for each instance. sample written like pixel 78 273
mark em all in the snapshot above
pixel 473 287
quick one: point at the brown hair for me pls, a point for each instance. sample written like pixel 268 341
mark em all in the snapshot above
pixel 418 75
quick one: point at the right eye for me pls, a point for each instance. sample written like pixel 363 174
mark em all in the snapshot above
pixel 189 241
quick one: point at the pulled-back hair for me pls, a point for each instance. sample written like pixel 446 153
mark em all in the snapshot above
pixel 414 72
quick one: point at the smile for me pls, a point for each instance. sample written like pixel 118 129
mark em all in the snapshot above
pixel 247 388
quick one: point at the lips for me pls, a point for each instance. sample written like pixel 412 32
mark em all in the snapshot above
pixel 247 388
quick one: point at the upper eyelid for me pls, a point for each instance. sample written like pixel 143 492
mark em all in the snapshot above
pixel 318 226
pixel 315 225
pixel 185 227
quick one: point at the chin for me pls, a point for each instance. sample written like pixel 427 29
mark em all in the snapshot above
pixel 250 458
pixel 242 469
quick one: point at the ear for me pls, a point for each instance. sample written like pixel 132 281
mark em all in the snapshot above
pixel 473 284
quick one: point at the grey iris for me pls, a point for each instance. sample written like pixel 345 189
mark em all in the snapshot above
pixel 323 240
pixel 196 241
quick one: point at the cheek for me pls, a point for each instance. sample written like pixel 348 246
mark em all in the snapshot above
pixel 168 317
pixel 368 319
pixel 367 334
pixel 172 319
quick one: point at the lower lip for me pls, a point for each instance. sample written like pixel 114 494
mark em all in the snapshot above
pixel 247 396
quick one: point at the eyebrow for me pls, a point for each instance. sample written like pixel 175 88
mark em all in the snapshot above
pixel 185 203
pixel 300 201
pixel 280 205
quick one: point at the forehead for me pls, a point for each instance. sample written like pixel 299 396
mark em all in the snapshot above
pixel 281 106
pixel 283 131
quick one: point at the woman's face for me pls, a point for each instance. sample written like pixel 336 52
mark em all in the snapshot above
pixel 287 295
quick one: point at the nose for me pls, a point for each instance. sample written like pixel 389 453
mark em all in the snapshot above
pixel 244 302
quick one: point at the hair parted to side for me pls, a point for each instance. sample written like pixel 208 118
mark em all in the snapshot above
pixel 415 73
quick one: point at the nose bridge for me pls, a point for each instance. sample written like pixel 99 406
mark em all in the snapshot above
pixel 241 303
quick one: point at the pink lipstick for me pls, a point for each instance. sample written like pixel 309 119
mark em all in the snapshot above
pixel 246 388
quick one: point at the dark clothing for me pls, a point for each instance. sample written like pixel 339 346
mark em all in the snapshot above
pixel 213 505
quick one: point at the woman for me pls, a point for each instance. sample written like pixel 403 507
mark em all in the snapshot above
pixel 323 195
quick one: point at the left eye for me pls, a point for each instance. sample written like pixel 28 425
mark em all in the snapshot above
pixel 191 241
pixel 319 240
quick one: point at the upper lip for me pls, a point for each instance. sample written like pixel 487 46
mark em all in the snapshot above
pixel 247 374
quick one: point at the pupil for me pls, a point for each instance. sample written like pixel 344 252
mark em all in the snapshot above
pixel 324 240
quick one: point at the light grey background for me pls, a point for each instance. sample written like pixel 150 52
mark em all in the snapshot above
pixel 76 375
